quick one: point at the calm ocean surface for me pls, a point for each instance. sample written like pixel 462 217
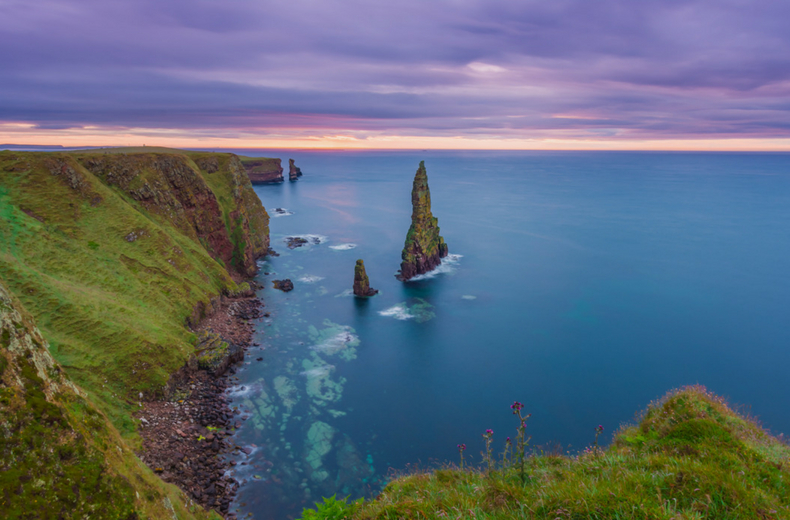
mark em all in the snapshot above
pixel 585 286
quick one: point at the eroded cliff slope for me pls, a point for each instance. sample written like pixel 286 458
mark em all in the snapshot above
pixel 59 456
pixel 113 253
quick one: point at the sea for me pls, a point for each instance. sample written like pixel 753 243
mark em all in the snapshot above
pixel 585 285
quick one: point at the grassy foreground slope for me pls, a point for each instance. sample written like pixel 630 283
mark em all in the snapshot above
pixel 112 254
pixel 59 456
pixel 690 457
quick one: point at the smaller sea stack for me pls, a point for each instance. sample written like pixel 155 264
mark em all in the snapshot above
pixel 294 172
pixel 424 248
pixel 361 282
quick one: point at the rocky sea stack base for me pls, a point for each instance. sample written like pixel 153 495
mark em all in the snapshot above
pixel 361 282
pixel 424 248
pixel 186 437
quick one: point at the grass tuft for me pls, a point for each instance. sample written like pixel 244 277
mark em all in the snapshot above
pixel 690 457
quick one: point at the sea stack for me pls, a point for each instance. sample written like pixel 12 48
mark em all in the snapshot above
pixel 361 282
pixel 294 172
pixel 424 248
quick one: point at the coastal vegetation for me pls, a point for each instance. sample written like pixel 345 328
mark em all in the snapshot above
pixel 690 456
pixel 113 255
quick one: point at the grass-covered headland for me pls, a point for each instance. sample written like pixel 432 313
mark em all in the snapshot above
pixel 690 457
pixel 108 259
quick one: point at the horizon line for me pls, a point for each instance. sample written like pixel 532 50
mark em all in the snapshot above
pixel 19 147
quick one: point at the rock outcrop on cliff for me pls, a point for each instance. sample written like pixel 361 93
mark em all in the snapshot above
pixel 361 282
pixel 263 170
pixel 294 172
pixel 424 248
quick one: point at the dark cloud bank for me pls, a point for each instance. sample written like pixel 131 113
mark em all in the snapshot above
pixel 575 69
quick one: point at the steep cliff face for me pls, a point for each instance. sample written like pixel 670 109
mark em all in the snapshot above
pixel 424 248
pixel 59 456
pixel 263 170
pixel 294 172
pixel 228 219
pixel 361 281
pixel 114 252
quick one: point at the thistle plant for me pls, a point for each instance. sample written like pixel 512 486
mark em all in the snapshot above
pixel 506 453
pixel 461 448
pixel 488 436
pixel 522 441
pixel 598 431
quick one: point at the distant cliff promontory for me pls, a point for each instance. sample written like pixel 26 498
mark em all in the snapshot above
pixel 266 170
pixel 263 170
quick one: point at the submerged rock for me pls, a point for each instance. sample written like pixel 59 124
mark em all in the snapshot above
pixel 294 172
pixel 361 283
pixel 284 285
pixel 294 242
pixel 424 247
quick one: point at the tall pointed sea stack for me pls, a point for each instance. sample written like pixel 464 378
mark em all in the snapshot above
pixel 361 282
pixel 424 248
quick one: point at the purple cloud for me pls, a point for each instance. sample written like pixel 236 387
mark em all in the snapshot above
pixel 662 68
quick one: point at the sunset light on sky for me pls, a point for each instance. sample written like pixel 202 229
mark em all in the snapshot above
pixel 572 74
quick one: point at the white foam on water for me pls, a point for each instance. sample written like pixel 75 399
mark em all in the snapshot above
pixel 448 265
pixel 318 372
pixel 347 292
pixel 244 390
pixel 311 238
pixel 469 297
pixel 336 343
pixel 281 212
pixel 399 312
pixel 309 278
pixel 343 247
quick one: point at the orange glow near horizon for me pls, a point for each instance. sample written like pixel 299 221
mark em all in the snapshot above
pixel 21 134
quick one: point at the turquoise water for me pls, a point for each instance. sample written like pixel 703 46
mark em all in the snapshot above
pixel 585 286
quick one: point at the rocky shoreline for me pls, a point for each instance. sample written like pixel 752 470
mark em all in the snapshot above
pixel 186 438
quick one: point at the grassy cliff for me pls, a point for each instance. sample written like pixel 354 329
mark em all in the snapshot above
pixel 690 457
pixel 59 455
pixel 113 254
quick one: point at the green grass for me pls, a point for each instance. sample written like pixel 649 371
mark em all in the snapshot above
pixel 690 457
pixel 59 455
pixel 113 309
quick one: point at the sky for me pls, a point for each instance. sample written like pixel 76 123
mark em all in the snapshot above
pixel 515 74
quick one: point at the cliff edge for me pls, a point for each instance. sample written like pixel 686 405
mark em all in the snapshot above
pixel 114 252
